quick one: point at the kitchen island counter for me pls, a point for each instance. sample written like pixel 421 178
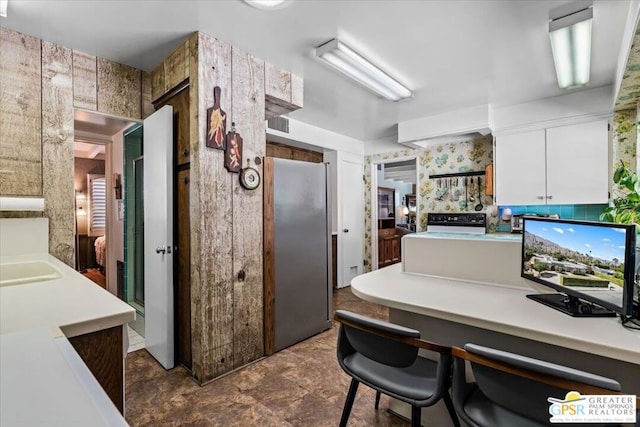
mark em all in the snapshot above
pixel 72 302
pixel 39 292
pixel 44 382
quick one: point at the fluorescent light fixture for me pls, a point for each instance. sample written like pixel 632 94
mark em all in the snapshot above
pixel 570 34
pixel 348 61
pixel 267 4
pixel 3 8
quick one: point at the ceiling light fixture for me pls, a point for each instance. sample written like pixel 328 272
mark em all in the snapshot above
pixel 268 4
pixel 570 34
pixel 3 8
pixel 348 61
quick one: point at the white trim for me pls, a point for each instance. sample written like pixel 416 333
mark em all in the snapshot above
pixel 633 17
pixel 546 124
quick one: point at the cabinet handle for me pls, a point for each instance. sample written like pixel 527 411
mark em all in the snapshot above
pixel 549 197
pixel 185 153
pixel 346 230
pixel 540 197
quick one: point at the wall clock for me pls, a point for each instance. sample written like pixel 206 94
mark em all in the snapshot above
pixel 250 178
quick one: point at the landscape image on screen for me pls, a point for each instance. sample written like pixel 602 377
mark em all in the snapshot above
pixel 585 258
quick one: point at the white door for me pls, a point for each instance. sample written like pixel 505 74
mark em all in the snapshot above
pixel 158 235
pixel 520 169
pixel 577 164
pixel 351 231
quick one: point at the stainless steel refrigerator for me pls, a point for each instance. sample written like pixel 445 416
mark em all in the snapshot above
pixel 298 292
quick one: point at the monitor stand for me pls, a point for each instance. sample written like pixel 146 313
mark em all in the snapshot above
pixel 635 316
pixel 571 305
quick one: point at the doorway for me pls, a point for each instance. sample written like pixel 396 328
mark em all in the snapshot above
pixel 394 207
pixel 133 287
pixel 100 203
pixel 90 209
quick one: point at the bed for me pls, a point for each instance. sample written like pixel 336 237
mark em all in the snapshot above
pixel 101 250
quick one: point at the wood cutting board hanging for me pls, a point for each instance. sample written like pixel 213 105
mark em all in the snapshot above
pixel 216 122
pixel 233 151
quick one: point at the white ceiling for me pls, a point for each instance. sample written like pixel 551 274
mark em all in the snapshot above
pixel 454 54
pixel 86 150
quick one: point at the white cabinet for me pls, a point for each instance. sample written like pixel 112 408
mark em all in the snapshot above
pixel 559 165
pixel 520 169
pixel 578 163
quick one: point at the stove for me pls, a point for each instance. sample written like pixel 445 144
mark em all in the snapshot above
pixel 462 222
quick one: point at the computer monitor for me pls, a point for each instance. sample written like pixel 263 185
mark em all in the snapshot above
pixel 590 264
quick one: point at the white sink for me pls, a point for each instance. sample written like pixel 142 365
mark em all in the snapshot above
pixel 27 272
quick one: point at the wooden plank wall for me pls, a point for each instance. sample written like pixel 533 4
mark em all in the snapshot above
pixel 211 228
pixel 119 89
pixel 20 114
pixel 282 151
pixel 85 82
pixel 41 84
pixel 57 149
pixel 248 102
pixel 226 220
pixel 283 91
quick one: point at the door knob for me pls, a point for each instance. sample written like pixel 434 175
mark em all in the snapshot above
pixel 346 230
pixel 161 249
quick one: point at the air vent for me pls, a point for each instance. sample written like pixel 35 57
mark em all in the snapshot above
pixel 280 124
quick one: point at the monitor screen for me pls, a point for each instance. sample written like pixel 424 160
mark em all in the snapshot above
pixel 589 261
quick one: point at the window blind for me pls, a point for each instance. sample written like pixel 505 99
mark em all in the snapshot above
pixel 98 204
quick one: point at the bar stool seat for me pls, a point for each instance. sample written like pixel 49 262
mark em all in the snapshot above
pixel 385 357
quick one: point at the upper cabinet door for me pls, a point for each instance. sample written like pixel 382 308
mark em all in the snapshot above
pixel 520 168
pixel 577 164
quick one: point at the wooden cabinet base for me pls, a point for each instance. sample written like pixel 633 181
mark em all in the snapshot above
pixel 388 249
pixel 101 351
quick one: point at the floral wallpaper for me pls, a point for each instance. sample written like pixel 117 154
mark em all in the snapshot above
pixel 438 195
pixel 630 87
pixel 624 138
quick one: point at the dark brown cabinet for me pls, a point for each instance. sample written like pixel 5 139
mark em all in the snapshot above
pixel 388 247
pixel 101 351
pixel 180 104
pixel 86 252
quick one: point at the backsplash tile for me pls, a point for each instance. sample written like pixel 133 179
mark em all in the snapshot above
pixel 578 212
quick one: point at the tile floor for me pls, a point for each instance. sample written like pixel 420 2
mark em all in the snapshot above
pixel 301 385
pixel 136 341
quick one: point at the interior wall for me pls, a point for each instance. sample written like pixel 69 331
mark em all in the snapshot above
pixel 225 219
pixel 50 80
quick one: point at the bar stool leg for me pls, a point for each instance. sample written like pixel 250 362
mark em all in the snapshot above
pixel 351 395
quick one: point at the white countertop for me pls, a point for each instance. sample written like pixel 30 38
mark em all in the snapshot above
pixel 73 303
pixel 45 383
pixel 466 236
pixel 499 308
